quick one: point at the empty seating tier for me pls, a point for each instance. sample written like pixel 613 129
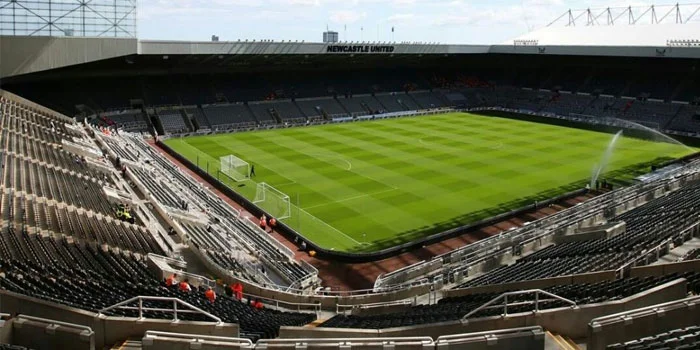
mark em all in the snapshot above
pixel 450 309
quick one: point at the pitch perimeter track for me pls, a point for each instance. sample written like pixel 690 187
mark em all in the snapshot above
pixel 345 276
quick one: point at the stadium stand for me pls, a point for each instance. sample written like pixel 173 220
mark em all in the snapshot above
pixel 65 184
pixel 171 187
pixel 172 121
pixel 646 227
pixel 196 113
pixel 455 308
pixel 69 255
pixel 427 99
pixel 642 328
pixel 224 116
pixel 320 107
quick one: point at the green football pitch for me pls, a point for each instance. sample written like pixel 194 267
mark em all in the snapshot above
pixel 366 186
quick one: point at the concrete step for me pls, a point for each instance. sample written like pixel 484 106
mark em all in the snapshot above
pixel 129 344
pixel 316 323
pixel 555 341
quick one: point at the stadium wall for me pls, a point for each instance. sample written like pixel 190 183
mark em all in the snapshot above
pixel 28 54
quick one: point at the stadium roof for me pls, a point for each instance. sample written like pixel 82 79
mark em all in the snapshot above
pixel 34 54
pixel 641 35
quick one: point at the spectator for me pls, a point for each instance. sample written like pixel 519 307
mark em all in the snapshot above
pixel 263 223
pixel 210 294
pixel 237 289
pixel 302 246
pixel 257 304
pixel 172 280
pixel 185 286
pixel 272 223
pixel 228 290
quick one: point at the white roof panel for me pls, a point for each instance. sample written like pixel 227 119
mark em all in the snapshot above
pixel 617 35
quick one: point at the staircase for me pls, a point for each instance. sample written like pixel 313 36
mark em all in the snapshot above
pixel 342 106
pixel 558 341
pixel 153 121
pixel 188 121
pixel 380 103
pixel 301 112
pixel 415 101
pixel 129 344
pixel 275 115
pixel 250 111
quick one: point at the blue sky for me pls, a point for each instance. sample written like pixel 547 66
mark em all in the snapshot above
pixel 445 21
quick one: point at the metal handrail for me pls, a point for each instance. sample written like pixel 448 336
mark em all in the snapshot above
pixel 656 248
pixel 175 311
pixel 447 338
pixel 387 340
pixel 505 295
pixel 315 306
pixel 407 301
pixel 197 337
pixel 655 308
pixel 60 323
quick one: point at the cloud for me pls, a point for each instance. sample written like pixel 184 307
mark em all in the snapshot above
pixel 401 18
pixel 301 2
pixel 347 16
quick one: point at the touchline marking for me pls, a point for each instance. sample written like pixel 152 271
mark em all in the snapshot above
pixel 333 228
pixel 351 198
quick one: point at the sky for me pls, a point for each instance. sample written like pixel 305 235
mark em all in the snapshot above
pixel 443 21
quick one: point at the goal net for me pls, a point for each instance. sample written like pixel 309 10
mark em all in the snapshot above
pixel 234 167
pixel 273 201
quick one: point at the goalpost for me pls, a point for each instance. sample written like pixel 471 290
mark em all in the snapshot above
pixel 234 167
pixel 273 201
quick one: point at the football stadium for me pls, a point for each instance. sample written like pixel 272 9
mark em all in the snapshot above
pixel 538 193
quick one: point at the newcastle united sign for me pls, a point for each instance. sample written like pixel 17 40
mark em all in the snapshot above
pixel 359 49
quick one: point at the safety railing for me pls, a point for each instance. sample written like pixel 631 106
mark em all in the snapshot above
pixel 86 331
pixel 627 316
pixel 342 308
pixel 150 336
pixel 191 309
pixel 279 304
pixel 658 250
pixel 345 343
pixel 505 304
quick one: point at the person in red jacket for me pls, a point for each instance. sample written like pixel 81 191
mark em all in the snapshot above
pixel 185 286
pixel 272 223
pixel 263 223
pixel 210 294
pixel 237 289
pixel 171 281
pixel 257 304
